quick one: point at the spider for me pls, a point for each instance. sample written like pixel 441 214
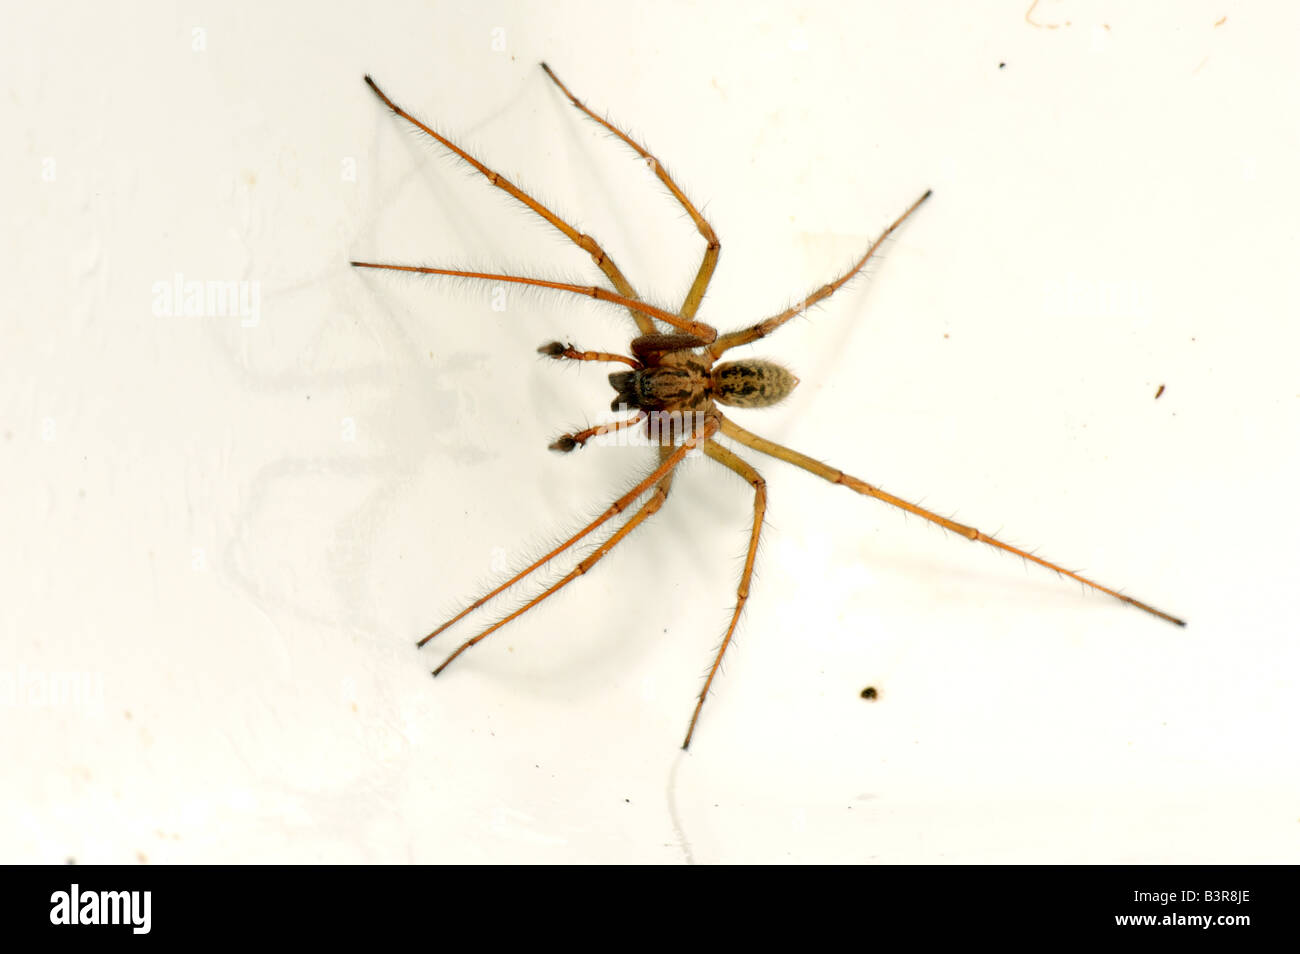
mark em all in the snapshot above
pixel 676 387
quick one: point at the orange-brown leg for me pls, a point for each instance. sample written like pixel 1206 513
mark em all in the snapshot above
pixel 661 477
pixel 583 241
pixel 738 433
pixel 748 473
pixel 712 246
pixel 665 468
pixel 706 333
pixel 764 328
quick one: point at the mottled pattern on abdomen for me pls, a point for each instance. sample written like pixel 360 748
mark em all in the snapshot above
pixel 751 383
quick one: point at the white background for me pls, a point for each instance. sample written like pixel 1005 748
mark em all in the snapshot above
pixel 222 538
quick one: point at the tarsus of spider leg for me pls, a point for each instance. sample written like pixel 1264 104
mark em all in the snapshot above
pixel 699 329
pixel 773 449
pixel 617 507
pixel 646 510
pixel 755 480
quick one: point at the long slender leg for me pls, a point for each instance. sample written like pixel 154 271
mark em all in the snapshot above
pixel 646 510
pixel 705 332
pixel 741 467
pixel 662 477
pixel 766 327
pixel 712 246
pixel 583 241
pixel 738 433
pixel 665 468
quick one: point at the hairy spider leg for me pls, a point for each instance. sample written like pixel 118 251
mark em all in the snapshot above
pixel 664 469
pixel 749 474
pixel 586 242
pixel 706 332
pixel 712 246
pixel 764 328
pixel 663 474
pixel 580 239
pixel 773 449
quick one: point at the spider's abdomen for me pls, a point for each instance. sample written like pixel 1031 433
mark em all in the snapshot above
pixel 751 383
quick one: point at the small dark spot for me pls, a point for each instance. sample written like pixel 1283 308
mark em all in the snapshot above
pixel 552 349
pixel 1002 66
pixel 870 693
pixel 563 444
pixel 1159 391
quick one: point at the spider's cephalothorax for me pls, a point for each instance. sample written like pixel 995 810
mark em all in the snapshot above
pixel 674 383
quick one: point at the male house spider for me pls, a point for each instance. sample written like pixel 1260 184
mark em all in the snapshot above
pixel 675 386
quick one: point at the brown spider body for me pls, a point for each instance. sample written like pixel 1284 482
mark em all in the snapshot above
pixel 676 383
pixel 674 374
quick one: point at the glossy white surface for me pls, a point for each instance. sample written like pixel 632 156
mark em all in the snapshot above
pixel 224 535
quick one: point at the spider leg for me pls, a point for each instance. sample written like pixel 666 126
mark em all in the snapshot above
pixel 583 241
pixel 766 327
pixel 643 513
pixel 706 332
pixel 667 464
pixel 712 246
pixel 748 473
pixel 738 433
